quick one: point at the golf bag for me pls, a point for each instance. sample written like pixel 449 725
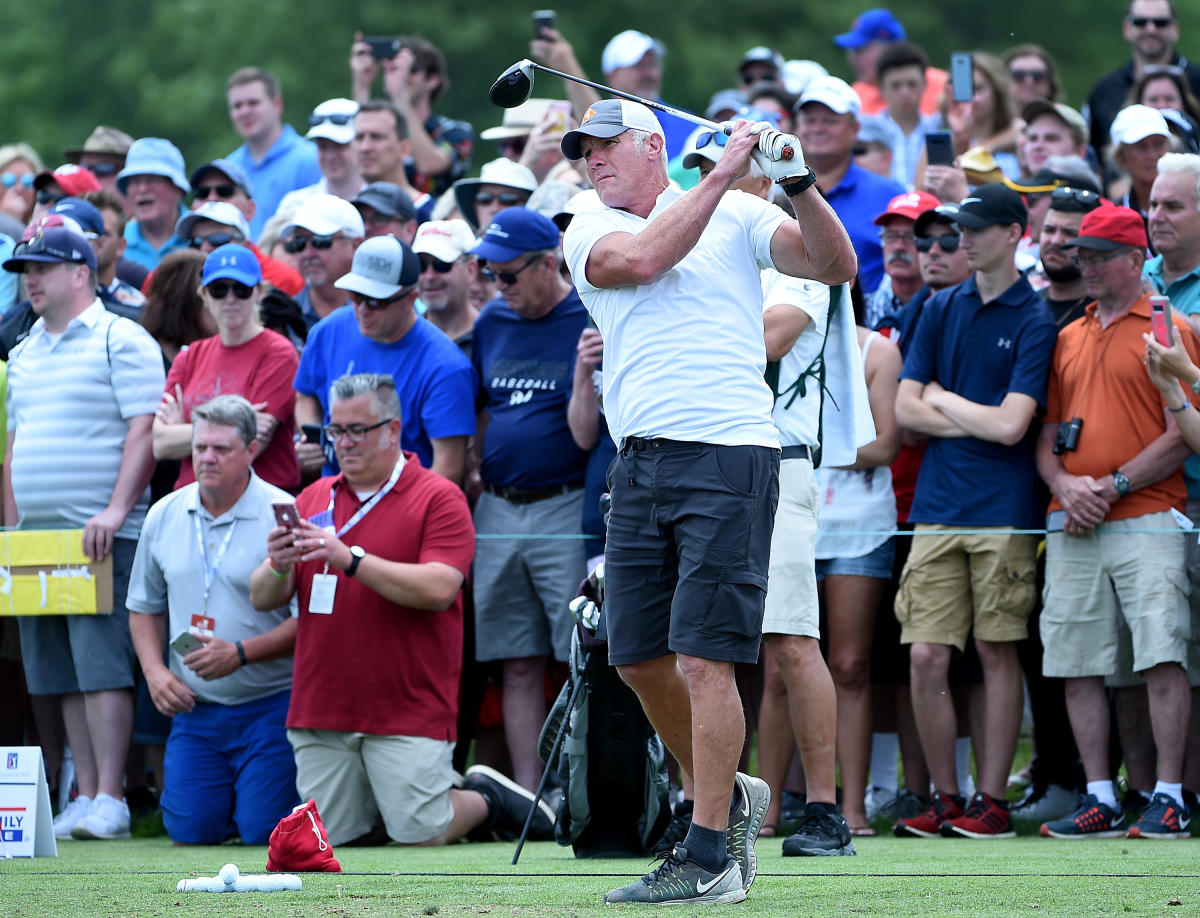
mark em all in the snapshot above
pixel 611 763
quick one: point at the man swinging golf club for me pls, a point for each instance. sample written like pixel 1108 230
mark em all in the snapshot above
pixel 672 282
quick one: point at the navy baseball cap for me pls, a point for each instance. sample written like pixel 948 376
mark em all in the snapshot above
pixel 988 205
pixel 515 231
pixel 233 262
pixel 85 213
pixel 227 168
pixel 54 242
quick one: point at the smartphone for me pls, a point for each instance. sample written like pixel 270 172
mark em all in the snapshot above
pixel 286 515
pixel 560 111
pixel 962 76
pixel 312 433
pixel 384 47
pixel 185 642
pixel 939 148
pixel 1056 520
pixel 542 20
pixel 1160 320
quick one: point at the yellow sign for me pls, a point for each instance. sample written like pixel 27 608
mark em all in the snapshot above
pixel 45 572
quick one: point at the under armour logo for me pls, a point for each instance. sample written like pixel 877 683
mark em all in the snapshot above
pixel 1004 342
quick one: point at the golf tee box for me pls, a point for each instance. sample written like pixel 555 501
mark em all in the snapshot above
pixel 45 572
pixel 26 823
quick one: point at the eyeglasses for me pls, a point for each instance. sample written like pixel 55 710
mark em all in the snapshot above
pixel 296 244
pixel 371 303
pixel 513 145
pixel 1028 76
pixel 439 266
pixel 214 239
pixel 508 278
pixel 1141 22
pixel 948 241
pixel 223 190
pixel 101 170
pixel 507 198
pixel 356 432
pixel 1078 200
pixel 720 138
pixel 219 289
pixel 895 236
pixel 1096 262
pixel 8 179
pixel 314 120
pixel 49 197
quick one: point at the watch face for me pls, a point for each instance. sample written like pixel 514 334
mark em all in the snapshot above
pixel 357 551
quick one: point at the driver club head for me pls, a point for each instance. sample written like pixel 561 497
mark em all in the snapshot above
pixel 513 86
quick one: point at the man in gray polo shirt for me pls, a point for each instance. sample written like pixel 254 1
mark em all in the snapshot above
pixel 82 390
pixel 229 765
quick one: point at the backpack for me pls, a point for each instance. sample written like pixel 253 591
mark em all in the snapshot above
pixel 611 764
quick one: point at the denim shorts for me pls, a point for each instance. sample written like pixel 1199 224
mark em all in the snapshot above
pixel 875 563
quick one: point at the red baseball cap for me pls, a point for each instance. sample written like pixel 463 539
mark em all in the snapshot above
pixel 910 205
pixel 1110 227
pixel 73 180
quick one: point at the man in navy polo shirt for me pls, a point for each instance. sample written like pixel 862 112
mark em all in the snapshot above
pixel 974 378
pixel 531 469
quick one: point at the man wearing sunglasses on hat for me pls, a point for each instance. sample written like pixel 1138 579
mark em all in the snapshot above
pixel 331 128
pixel 1152 31
pixel 382 333
pixel 80 411
pixel 1065 292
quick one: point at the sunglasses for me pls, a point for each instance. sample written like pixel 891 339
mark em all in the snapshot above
pixel 507 198
pixel 1028 76
pixel 297 244
pixel 219 289
pixel 8 179
pixel 508 278
pixel 1159 22
pixel 224 190
pixel 1074 199
pixel 439 266
pixel 102 170
pixel 704 139
pixel 214 239
pixel 948 241
pixel 371 303
pixel 49 197
pixel 514 145
pixel 314 120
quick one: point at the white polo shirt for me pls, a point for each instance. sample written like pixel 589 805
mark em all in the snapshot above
pixel 684 356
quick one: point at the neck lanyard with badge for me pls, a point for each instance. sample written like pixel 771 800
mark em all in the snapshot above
pixel 204 623
pixel 324 584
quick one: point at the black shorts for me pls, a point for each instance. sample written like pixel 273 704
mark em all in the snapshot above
pixel 689 541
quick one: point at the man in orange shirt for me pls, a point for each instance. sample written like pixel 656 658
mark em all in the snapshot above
pixel 1112 455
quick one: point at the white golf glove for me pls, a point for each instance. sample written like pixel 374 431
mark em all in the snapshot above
pixel 770 156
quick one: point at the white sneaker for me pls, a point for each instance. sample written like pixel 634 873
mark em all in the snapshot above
pixel 108 817
pixel 72 814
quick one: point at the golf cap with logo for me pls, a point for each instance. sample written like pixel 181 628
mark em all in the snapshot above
pixel 910 205
pixel 515 231
pixel 85 213
pixel 627 48
pixel 988 205
pixel 326 215
pixel 382 267
pixel 445 240
pixel 218 212
pixel 608 118
pixel 231 262
pixel 834 94
pixel 1110 227
pixel 57 240
pixel 333 120
pixel 72 179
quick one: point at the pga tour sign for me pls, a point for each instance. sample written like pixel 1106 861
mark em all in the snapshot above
pixel 26 827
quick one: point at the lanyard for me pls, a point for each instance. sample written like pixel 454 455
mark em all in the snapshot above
pixel 369 505
pixel 210 572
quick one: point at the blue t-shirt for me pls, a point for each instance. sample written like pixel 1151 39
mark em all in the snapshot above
pixel 858 199
pixel 525 369
pixel 981 352
pixel 291 163
pixel 434 380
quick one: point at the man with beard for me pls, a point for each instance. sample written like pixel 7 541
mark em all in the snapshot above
pixel 1066 294
pixel 902 273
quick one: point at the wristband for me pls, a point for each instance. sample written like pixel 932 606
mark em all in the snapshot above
pixel 278 573
pixel 1182 407
pixel 241 653
pixel 791 189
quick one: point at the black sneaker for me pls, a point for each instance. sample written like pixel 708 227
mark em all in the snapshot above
pixel 1091 819
pixel 1163 818
pixel 745 822
pixel 508 805
pixel 905 805
pixel 677 828
pixel 823 833
pixel 678 880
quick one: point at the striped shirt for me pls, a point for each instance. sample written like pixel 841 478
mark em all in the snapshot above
pixel 69 398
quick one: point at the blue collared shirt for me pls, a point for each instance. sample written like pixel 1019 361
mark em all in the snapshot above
pixel 858 199
pixel 139 249
pixel 291 163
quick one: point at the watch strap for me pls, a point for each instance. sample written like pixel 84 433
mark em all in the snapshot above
pixel 793 188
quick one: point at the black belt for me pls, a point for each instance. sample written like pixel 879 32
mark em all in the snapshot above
pixel 637 444
pixel 797 452
pixel 530 495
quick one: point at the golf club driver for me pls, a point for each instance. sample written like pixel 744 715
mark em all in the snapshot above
pixel 515 85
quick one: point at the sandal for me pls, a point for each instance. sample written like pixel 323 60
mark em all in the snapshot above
pixel 863 831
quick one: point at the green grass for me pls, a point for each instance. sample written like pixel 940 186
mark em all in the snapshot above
pixel 890 876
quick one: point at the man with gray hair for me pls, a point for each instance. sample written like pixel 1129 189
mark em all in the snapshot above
pixel 229 769
pixel 377 560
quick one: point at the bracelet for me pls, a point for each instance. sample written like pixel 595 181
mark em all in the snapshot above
pixel 791 189
pixel 278 573
pixel 1182 407
pixel 241 653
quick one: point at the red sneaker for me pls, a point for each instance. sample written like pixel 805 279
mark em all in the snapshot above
pixel 941 808
pixel 985 818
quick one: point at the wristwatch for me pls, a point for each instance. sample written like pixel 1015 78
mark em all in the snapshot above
pixel 1121 483
pixel 793 188
pixel 1196 386
pixel 357 553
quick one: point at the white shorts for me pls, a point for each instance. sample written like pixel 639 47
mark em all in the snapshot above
pixel 791 577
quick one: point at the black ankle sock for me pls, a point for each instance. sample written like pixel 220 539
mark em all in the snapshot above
pixel 706 847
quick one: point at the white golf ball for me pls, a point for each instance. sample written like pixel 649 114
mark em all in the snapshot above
pixel 229 874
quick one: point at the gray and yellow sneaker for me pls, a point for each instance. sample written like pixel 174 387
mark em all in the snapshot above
pixel 679 881
pixel 751 798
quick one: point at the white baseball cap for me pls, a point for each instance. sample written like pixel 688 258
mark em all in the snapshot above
pixel 833 93
pixel 627 48
pixel 445 240
pixel 218 212
pixel 1137 122
pixel 333 119
pixel 326 215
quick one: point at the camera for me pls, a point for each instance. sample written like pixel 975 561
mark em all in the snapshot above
pixel 1067 438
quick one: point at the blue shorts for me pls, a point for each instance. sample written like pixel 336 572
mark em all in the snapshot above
pixel 875 563
pixel 229 770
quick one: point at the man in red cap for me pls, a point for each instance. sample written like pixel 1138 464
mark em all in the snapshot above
pixel 1112 455
pixel 902 272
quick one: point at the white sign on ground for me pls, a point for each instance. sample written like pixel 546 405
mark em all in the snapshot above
pixel 26 822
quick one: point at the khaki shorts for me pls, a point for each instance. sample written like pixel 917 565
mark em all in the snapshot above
pixel 959 581
pixel 356 778
pixel 1115 603
pixel 791 576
